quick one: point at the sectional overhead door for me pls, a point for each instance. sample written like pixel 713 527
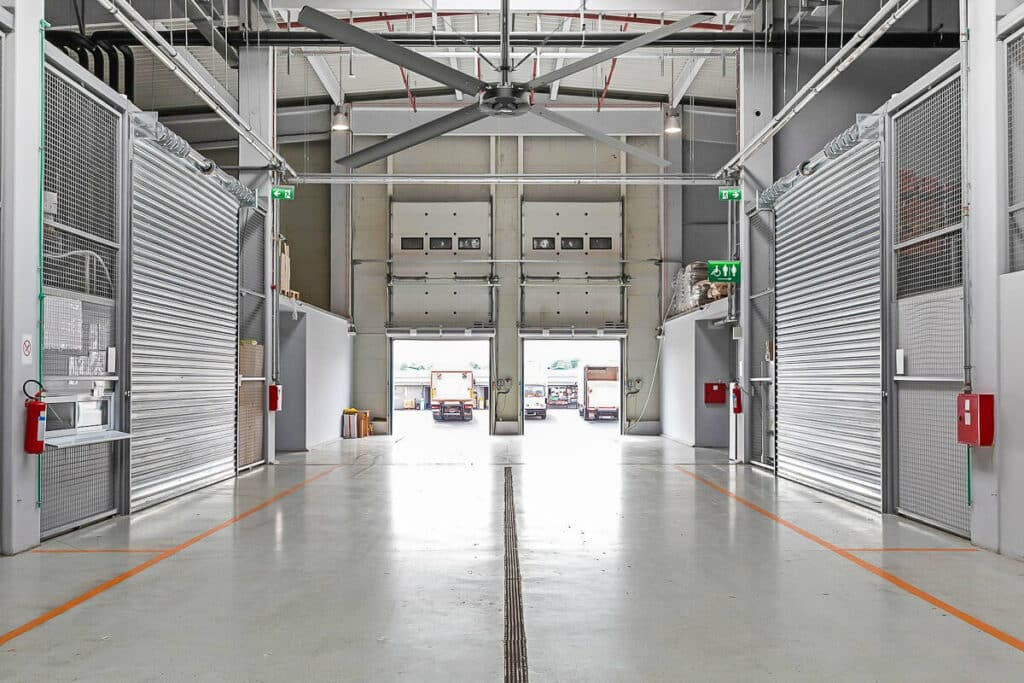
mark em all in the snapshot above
pixel 184 324
pixel 829 328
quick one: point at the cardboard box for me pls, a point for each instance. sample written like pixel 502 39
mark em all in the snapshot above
pixel 364 423
pixel 285 268
pixel 250 359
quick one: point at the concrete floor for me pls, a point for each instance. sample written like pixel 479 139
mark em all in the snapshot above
pixel 388 566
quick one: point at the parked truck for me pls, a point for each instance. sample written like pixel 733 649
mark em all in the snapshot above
pixel 600 395
pixel 535 401
pixel 452 396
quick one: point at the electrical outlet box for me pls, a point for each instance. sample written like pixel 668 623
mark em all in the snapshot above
pixel 976 419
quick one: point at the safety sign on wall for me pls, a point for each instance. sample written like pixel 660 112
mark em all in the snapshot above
pixel 724 271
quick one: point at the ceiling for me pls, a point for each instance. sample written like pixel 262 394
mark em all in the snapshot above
pixel 659 72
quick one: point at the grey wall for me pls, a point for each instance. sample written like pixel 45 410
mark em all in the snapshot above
pixel 473 154
pixel 291 422
pixel 305 221
pixel 694 352
pixel 306 224
pixel 861 89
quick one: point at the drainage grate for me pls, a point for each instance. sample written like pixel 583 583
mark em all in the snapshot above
pixel 515 628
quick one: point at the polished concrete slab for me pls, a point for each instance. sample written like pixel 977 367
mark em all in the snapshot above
pixel 383 561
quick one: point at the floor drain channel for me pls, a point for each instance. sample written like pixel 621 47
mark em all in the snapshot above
pixel 515 629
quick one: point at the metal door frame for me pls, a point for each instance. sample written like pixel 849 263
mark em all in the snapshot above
pixel 899 105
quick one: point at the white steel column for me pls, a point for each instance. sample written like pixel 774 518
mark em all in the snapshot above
pixel 257 72
pixel 341 232
pixel 20 250
pixel 985 250
pixel 754 108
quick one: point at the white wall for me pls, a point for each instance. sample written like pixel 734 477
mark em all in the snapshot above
pixel 316 371
pixel 693 353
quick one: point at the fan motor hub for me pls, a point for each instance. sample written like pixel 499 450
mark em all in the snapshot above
pixel 505 101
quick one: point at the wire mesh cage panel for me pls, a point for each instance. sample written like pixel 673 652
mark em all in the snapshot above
pixel 81 277
pixel 80 158
pixel 78 264
pixel 933 466
pixel 1015 152
pixel 927 142
pixel 78 335
pixel 927 235
pixel 252 251
pixel 77 486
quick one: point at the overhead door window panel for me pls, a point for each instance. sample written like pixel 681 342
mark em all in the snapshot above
pixel 184 325
pixel 572 264
pixel 440 265
pixel 829 328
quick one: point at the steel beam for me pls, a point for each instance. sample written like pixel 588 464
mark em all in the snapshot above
pixel 320 67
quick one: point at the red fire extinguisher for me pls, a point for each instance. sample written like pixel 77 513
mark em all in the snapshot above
pixel 737 399
pixel 35 418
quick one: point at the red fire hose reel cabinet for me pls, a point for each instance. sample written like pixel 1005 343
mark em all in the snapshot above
pixel 976 419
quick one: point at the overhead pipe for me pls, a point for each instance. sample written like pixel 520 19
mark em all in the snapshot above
pixel 686 39
pixel 129 70
pixel 867 36
pixel 507 179
pixel 72 42
pixel 137 25
pixel 114 73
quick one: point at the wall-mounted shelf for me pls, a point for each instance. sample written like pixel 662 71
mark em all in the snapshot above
pixel 86 439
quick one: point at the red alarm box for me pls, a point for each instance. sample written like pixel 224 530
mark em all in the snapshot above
pixel 715 392
pixel 976 419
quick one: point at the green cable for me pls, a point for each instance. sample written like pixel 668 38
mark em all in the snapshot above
pixel 970 497
pixel 43 25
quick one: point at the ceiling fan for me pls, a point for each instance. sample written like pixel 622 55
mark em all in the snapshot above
pixel 504 98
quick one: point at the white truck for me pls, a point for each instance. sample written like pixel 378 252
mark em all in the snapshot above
pixel 452 396
pixel 535 401
pixel 600 395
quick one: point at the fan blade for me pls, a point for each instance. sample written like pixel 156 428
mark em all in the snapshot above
pixel 597 135
pixel 410 138
pixel 628 46
pixel 388 51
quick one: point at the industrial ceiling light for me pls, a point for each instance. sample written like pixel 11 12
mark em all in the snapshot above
pixel 340 120
pixel 673 124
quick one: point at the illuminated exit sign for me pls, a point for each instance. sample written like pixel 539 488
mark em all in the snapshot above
pixel 730 194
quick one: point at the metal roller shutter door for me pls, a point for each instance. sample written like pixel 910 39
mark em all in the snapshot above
pixel 184 321
pixel 829 329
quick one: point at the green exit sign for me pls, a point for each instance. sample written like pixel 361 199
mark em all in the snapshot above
pixel 730 194
pixel 283 192
pixel 724 271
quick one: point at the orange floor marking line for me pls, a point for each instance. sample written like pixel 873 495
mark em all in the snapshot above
pixel 910 550
pixel 75 551
pixel 977 623
pixel 121 578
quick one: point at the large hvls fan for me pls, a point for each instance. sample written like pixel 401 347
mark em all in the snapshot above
pixel 495 99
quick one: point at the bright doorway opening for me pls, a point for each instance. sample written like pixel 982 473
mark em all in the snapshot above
pixel 572 387
pixel 440 387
